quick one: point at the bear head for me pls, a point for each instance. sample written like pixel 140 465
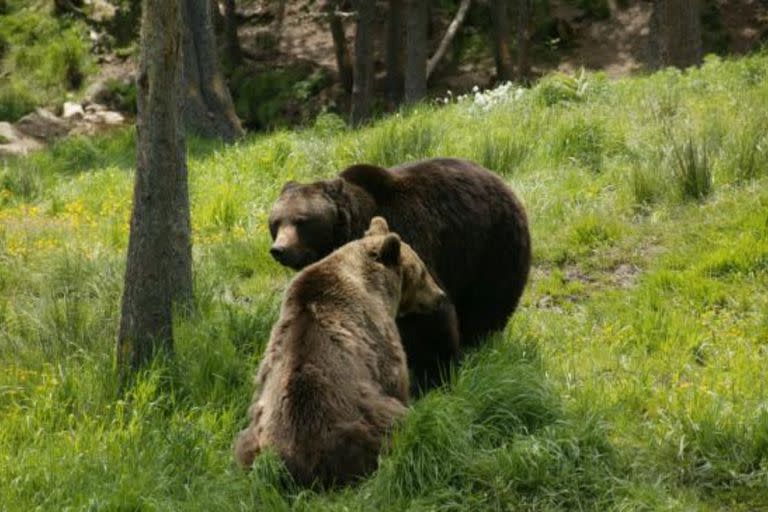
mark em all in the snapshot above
pixel 418 291
pixel 307 223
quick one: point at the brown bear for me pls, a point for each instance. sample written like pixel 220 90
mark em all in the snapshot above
pixel 334 378
pixel 463 220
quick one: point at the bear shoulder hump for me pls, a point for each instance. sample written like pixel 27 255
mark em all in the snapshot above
pixel 376 180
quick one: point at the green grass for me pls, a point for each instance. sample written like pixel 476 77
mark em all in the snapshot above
pixel 44 59
pixel 633 376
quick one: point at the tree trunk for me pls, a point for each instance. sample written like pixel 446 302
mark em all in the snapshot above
pixel 208 111
pixel 501 51
pixel 159 269
pixel 676 33
pixel 363 73
pixel 416 50
pixel 394 57
pixel 343 58
pixel 524 30
pixel 232 51
pixel 217 19
pixel 445 42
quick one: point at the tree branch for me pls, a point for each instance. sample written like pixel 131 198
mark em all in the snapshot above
pixel 453 28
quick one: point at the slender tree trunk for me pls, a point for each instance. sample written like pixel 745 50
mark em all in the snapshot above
pixel 676 33
pixel 159 270
pixel 209 110
pixel 416 50
pixel 232 50
pixel 343 58
pixel 501 51
pixel 450 33
pixel 394 57
pixel 524 30
pixel 362 87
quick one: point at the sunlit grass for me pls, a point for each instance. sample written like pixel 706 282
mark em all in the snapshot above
pixel 633 376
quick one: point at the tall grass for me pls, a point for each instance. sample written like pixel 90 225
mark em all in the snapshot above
pixel 631 378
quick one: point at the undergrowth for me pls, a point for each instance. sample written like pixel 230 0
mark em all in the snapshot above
pixel 45 59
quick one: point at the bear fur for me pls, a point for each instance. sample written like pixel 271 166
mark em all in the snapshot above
pixel 334 379
pixel 463 220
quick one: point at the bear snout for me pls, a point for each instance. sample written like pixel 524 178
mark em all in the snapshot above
pixel 286 256
pixel 278 253
pixel 291 257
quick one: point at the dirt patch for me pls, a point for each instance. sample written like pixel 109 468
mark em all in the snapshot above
pixel 625 275
pixel 617 45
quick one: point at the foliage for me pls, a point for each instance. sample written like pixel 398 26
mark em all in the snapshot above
pixel 271 98
pixel 631 378
pixel 45 58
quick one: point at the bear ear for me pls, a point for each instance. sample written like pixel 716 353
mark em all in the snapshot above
pixel 375 180
pixel 378 227
pixel 389 254
pixel 332 187
pixel 289 185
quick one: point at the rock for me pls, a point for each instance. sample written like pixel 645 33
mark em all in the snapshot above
pixel 95 107
pixel 111 117
pixel 42 124
pixel 8 133
pixel 72 110
pixel 12 142
pixel 20 147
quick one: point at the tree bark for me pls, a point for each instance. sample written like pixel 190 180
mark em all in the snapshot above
pixel 524 30
pixel 363 73
pixel 501 51
pixel 343 58
pixel 676 33
pixel 217 18
pixel 159 266
pixel 209 111
pixel 453 28
pixel 394 56
pixel 416 50
pixel 232 50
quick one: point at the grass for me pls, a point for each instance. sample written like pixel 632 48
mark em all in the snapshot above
pixel 633 376
pixel 44 59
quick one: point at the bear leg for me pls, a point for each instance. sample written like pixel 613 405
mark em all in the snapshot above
pixel 431 343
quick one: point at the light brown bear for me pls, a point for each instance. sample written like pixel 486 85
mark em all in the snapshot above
pixel 334 379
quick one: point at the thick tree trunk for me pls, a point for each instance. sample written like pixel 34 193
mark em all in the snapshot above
pixel 159 269
pixel 340 48
pixel 394 56
pixel 501 51
pixel 524 30
pixel 208 111
pixel 450 33
pixel 362 87
pixel 232 51
pixel 416 50
pixel 676 33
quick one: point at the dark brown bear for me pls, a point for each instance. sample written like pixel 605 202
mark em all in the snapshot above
pixel 334 378
pixel 464 222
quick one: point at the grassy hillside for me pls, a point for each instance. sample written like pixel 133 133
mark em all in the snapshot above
pixel 632 378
